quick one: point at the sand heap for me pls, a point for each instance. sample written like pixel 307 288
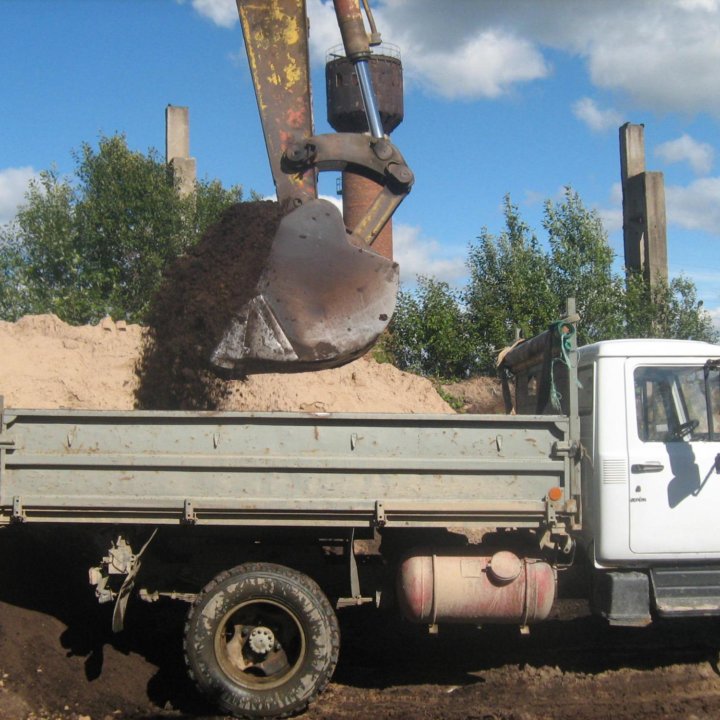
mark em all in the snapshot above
pixel 46 363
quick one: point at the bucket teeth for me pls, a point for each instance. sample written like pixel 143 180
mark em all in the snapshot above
pixel 255 333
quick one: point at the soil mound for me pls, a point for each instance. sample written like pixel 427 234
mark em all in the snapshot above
pixel 481 395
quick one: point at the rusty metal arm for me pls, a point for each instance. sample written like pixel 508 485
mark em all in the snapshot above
pixel 322 298
pixel 357 48
pixel 276 41
pixel 375 158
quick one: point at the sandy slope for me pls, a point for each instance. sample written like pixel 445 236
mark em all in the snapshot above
pixel 46 363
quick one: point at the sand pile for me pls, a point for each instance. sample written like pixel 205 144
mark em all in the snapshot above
pixel 477 395
pixel 360 386
pixel 46 363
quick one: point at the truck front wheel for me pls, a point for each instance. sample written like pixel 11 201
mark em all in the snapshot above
pixel 261 641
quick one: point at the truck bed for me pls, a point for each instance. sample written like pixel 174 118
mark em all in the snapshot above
pixel 345 470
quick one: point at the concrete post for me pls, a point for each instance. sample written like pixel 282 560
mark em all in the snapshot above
pixel 177 148
pixel 644 223
pixel 632 151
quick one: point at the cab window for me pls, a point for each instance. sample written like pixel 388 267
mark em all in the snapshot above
pixel 677 404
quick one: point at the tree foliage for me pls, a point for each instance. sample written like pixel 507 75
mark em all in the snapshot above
pixel 430 334
pixel 670 310
pixel 581 266
pixel 515 283
pixel 96 244
pixel 508 287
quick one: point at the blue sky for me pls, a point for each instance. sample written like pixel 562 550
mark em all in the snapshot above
pixel 502 96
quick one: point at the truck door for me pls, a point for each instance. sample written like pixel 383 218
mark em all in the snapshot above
pixel 673 442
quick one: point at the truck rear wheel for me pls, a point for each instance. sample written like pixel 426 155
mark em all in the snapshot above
pixel 261 641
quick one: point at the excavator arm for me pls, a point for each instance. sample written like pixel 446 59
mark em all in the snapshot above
pixel 324 296
pixel 276 42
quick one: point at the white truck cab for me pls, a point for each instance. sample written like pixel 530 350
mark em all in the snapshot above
pixel 650 429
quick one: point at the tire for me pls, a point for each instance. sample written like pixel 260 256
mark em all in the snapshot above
pixel 261 641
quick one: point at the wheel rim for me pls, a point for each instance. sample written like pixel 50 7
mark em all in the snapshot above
pixel 260 644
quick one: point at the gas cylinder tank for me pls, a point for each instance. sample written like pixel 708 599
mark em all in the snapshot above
pixel 474 587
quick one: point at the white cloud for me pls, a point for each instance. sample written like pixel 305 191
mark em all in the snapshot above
pixel 695 207
pixel 485 66
pixel 13 186
pixel 698 276
pixel 597 119
pixel 612 214
pixel 484 62
pixel 612 219
pixel 419 255
pixel 324 31
pixel 685 149
pixel 221 12
pixel 334 199
pixel 707 5
pixel 661 54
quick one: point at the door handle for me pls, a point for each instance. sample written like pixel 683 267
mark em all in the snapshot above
pixel 648 467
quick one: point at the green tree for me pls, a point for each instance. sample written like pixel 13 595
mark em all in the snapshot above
pixel 96 244
pixel 669 310
pixel 515 283
pixel 429 334
pixel 581 266
pixel 509 287
pixel 37 253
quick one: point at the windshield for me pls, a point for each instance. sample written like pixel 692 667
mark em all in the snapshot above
pixel 678 404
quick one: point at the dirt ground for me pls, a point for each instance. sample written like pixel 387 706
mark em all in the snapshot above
pixel 59 659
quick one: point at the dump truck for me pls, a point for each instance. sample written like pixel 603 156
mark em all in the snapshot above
pixel 269 524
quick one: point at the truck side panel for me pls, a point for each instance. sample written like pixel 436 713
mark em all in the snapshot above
pixel 231 468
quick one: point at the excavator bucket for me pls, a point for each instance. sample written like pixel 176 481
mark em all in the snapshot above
pixel 323 296
pixel 320 300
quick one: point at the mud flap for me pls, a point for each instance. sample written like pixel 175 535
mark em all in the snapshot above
pixel 118 619
pixel 622 598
